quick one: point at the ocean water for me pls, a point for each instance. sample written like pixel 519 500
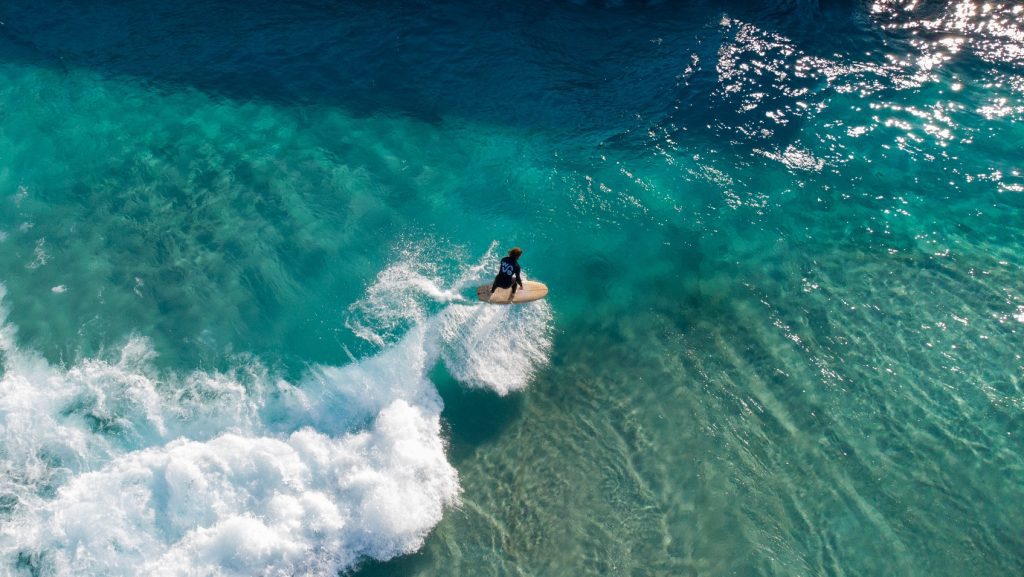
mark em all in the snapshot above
pixel 239 241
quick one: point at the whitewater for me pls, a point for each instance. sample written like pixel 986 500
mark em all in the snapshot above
pixel 113 467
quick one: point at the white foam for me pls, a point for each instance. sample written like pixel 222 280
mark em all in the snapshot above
pixel 117 471
pixel 306 504
pixel 116 468
pixel 496 347
pixel 40 256
pixel 405 292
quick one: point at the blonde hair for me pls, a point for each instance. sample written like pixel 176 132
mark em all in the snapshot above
pixel 515 252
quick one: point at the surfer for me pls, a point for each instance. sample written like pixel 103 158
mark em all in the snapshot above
pixel 508 272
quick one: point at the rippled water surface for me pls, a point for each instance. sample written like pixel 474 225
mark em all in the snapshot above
pixel 238 245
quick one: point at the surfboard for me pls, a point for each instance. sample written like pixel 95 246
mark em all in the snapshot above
pixel 531 291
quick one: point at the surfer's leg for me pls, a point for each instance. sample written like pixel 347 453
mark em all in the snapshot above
pixel 512 295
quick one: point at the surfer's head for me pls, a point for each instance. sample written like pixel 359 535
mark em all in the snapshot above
pixel 515 252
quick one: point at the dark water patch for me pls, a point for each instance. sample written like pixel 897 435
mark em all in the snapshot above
pixel 474 417
pixel 556 65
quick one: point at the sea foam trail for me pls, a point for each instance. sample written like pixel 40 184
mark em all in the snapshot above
pixel 494 347
pixel 112 468
pixel 406 290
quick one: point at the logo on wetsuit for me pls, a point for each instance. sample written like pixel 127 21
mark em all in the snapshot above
pixel 507 268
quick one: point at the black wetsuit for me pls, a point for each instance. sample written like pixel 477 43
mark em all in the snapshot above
pixel 508 272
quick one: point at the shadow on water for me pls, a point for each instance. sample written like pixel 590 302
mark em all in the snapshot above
pixel 411 564
pixel 474 417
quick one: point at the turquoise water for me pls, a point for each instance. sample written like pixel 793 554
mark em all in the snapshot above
pixel 783 245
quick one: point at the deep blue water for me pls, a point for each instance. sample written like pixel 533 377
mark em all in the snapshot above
pixel 237 246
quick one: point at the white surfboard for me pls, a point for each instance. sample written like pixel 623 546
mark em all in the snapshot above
pixel 530 291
